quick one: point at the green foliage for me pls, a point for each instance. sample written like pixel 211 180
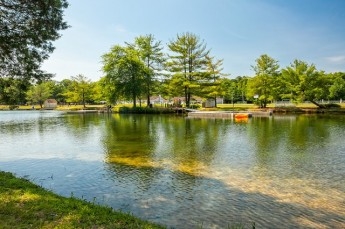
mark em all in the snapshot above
pixel 212 88
pixel 108 90
pixel 144 110
pixel 233 90
pixel 150 52
pixel 241 87
pixel 39 93
pixel 25 205
pixel 188 65
pixel 125 72
pixel 337 85
pixel 79 90
pixel 13 91
pixel 28 29
pixel 264 82
pixel 58 89
pixel 195 106
pixel 331 105
pixel 97 94
pixel 305 82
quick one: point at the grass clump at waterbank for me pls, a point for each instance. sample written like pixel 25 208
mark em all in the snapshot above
pixel 26 205
pixel 145 110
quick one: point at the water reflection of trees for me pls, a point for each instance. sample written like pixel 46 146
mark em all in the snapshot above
pixel 173 141
pixel 288 145
pixel 294 133
pixel 82 126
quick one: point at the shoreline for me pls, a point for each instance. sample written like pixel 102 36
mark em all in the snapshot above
pixel 26 205
pixel 236 109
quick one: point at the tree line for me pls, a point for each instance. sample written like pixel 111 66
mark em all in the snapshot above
pixel 141 69
pixel 137 70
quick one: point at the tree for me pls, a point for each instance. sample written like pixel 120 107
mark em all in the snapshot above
pixel 235 89
pixel 187 63
pixel 263 84
pixel 337 88
pixel 58 90
pixel 305 82
pixel 97 95
pixel 241 86
pixel 39 93
pixel 228 89
pixel 150 52
pixel 27 30
pixel 13 91
pixel 214 69
pixel 124 72
pixel 80 90
pixel 108 90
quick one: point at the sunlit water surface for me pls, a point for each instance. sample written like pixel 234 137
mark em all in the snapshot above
pixel 279 171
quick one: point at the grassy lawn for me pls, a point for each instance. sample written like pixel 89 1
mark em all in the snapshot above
pixel 25 205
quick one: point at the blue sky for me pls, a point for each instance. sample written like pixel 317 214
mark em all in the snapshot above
pixel 238 31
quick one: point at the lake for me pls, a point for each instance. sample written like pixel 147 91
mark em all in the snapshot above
pixel 282 171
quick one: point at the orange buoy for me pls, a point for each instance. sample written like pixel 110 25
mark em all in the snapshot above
pixel 241 115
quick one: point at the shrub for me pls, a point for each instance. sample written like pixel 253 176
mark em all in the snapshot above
pixel 331 105
pixel 144 110
pixel 13 107
pixel 195 106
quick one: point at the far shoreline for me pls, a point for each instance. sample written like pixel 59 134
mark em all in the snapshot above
pixel 79 109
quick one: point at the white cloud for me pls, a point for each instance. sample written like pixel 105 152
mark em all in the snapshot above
pixel 336 59
pixel 120 29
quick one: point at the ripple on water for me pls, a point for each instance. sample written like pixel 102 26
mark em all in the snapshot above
pixel 188 173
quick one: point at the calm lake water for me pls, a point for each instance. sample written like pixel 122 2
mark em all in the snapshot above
pixel 279 171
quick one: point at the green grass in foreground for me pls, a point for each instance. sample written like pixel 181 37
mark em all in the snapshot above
pixel 26 205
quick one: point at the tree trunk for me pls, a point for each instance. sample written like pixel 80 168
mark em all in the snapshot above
pixel 134 101
pixel 84 99
pixel 148 100
pixel 186 94
pixel 317 104
pixel 188 100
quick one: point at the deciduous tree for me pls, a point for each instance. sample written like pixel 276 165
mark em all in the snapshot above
pixel 124 72
pixel 305 82
pixel 80 90
pixel 13 91
pixel 27 30
pixel 39 93
pixel 337 88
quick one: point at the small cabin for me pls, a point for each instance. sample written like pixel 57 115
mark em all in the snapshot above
pixel 50 104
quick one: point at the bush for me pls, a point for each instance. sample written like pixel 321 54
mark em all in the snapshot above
pixel 13 107
pixel 144 110
pixel 195 106
pixel 332 105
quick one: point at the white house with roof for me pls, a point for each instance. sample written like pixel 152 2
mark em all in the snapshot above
pixel 50 104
